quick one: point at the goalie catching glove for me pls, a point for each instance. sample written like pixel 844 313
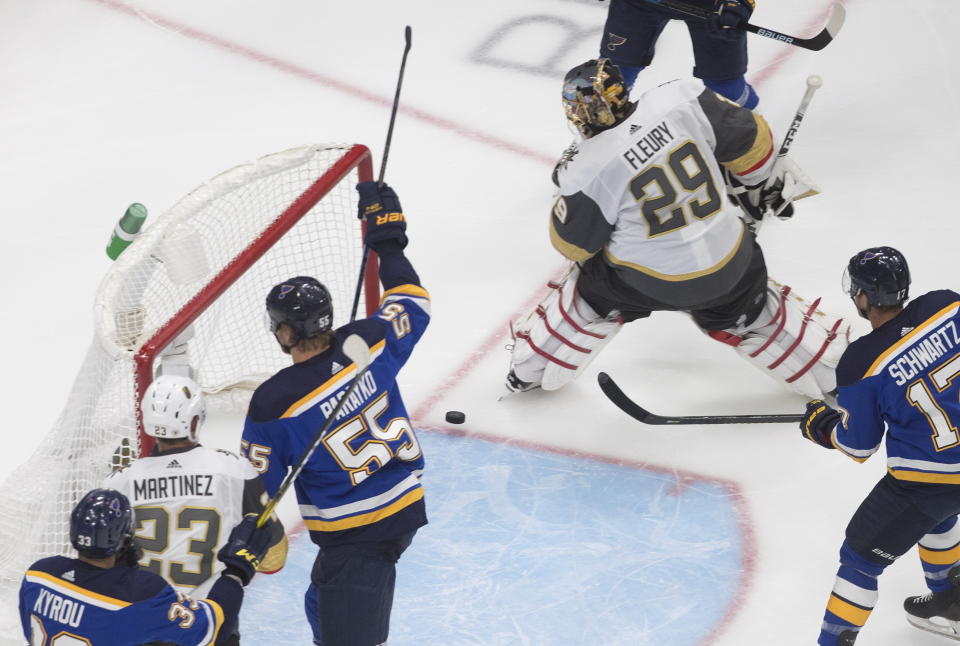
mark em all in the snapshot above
pixel 380 207
pixel 787 182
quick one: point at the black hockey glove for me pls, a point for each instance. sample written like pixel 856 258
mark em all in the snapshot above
pixel 245 548
pixel 129 553
pixel 380 207
pixel 818 423
pixel 730 14
pixel 755 201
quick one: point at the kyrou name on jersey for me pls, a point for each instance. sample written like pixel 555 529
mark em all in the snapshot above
pixel 648 145
pixel 365 389
pixel 173 487
pixel 66 611
pixel 925 352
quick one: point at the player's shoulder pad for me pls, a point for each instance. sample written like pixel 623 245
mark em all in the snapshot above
pixel 229 454
pixel 857 358
pixel 55 565
pixel 926 305
pixel 372 330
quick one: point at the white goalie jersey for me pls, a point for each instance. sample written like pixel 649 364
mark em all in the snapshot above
pixel 186 502
pixel 649 194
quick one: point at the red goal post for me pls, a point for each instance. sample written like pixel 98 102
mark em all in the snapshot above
pixel 356 159
pixel 200 272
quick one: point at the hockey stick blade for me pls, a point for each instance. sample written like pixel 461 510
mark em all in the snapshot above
pixel 837 15
pixel 637 412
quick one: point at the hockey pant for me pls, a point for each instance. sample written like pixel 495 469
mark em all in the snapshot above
pixel 555 342
pixel 792 341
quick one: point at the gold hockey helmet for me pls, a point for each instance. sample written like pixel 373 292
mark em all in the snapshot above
pixel 595 96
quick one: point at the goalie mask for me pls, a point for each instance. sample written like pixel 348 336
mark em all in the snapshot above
pixel 595 96
pixel 169 407
pixel 879 272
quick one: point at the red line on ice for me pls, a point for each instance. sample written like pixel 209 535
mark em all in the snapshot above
pixel 748 541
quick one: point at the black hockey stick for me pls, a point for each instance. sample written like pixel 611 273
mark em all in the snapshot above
pixel 408 35
pixel 359 352
pixel 837 15
pixel 637 412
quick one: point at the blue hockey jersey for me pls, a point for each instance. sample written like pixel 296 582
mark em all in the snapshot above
pixel 67 601
pixel 903 375
pixel 363 481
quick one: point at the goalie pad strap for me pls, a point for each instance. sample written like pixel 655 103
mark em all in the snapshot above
pixel 543 353
pixel 568 318
pixel 803 330
pixel 553 332
pixel 782 315
pixel 823 348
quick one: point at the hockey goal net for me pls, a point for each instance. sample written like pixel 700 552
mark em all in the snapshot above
pixel 207 265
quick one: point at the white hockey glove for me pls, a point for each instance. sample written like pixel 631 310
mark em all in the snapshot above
pixel 787 182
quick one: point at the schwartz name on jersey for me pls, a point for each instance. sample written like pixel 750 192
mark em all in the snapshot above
pixel 650 194
pixel 363 481
pixel 905 372
pixel 66 601
pixel 185 503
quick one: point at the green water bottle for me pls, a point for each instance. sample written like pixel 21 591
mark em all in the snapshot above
pixel 126 230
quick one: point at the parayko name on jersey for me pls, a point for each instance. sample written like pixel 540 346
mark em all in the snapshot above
pixel 365 389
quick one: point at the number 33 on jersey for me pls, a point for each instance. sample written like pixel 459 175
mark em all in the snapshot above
pixel 365 474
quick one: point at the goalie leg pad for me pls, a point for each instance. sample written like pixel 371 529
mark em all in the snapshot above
pixel 793 341
pixel 560 337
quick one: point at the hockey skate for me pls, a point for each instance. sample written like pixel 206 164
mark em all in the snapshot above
pixel 516 385
pixel 936 612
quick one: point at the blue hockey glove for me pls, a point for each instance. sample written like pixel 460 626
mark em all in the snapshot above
pixel 380 207
pixel 818 423
pixel 729 14
pixel 245 548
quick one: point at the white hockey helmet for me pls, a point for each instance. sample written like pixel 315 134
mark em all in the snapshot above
pixel 169 406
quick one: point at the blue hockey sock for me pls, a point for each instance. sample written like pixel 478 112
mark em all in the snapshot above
pixel 939 552
pixel 852 599
pixel 737 90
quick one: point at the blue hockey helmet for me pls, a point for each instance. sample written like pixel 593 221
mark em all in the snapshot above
pixel 879 272
pixel 595 96
pixel 100 523
pixel 302 303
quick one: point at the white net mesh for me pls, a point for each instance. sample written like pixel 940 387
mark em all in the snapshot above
pixel 148 287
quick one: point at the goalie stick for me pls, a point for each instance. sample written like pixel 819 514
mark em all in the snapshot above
pixel 408 35
pixel 814 83
pixel 359 352
pixel 637 412
pixel 837 15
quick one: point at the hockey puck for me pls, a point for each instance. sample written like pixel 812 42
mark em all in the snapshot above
pixel 455 417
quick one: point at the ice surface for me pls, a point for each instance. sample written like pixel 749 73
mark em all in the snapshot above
pixel 106 104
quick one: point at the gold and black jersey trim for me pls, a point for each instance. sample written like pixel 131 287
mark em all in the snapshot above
pixel 744 139
pixel 578 229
